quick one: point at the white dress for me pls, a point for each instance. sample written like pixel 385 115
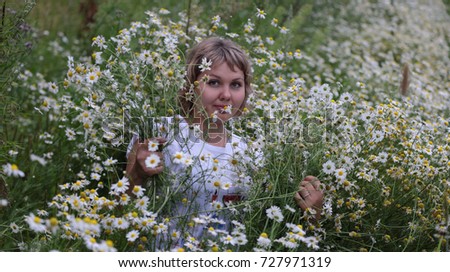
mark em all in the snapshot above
pixel 206 178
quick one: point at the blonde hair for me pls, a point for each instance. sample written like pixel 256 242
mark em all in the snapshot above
pixel 217 50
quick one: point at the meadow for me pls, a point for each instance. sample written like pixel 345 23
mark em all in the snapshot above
pixel 356 93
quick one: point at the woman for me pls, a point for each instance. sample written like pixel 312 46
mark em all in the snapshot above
pixel 218 77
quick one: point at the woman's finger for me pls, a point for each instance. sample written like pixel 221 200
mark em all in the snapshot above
pixel 301 202
pixel 314 181
pixel 153 171
pixel 160 140
pixel 306 188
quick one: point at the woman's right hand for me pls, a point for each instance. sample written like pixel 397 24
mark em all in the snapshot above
pixel 136 170
pixel 310 195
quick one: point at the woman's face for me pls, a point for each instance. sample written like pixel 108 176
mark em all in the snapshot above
pixel 222 91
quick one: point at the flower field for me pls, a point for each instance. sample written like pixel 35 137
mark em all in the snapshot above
pixel 354 92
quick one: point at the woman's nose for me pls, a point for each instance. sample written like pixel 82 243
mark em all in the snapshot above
pixel 225 93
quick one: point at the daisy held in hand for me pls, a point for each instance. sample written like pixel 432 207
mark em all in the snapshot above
pixel 142 162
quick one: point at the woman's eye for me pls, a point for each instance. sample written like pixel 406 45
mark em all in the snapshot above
pixel 213 83
pixel 236 85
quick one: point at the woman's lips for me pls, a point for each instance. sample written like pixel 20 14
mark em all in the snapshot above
pixel 223 109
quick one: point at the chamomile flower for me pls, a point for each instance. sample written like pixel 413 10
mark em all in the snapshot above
pixel 199 221
pixel 382 157
pixel 284 30
pixel 188 161
pixel 175 235
pixel 261 14
pixel 92 77
pixel 340 173
pixel 90 242
pixel 329 167
pixel 110 161
pixel 52 224
pixel 79 184
pixel 142 203
pixel 312 242
pixel 138 191
pixel 274 22
pixel 14 227
pixel 152 161
pixel 121 223
pixel 178 157
pixel 227 109
pixel 240 238
pixel 95 176
pixel 214 116
pixel 13 170
pixel 105 246
pixel 217 183
pixel 274 213
pixel 124 199
pixel 164 11
pixel 290 243
pixel 52 87
pixel 206 65
pixel 100 42
pixel 146 57
pixel 217 205
pixel 227 240
pixel 153 146
pixel 70 134
pixel 264 241
pixel 120 187
pixel 35 223
pixel 226 185
pixel 378 136
pixel 216 20
pixel 249 26
pixel 366 117
pixel 212 231
pixel 160 228
pixel 132 235
pixel 289 208
pixel 346 98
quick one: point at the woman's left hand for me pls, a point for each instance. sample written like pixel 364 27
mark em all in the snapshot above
pixel 310 195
